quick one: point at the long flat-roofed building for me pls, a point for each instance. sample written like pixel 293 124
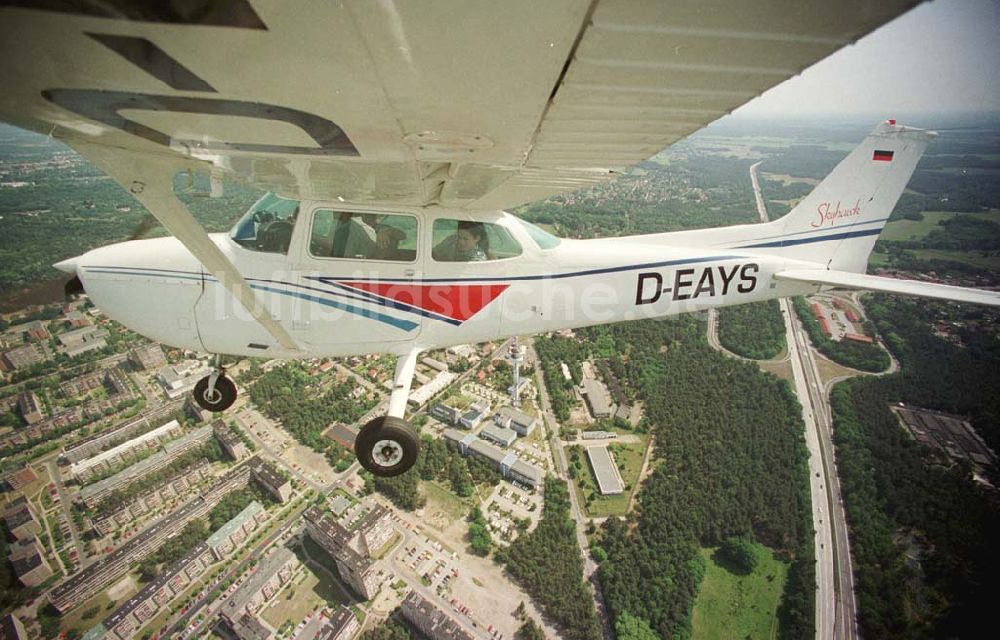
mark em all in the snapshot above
pixel 597 398
pixel 92 494
pixel 431 621
pixel 609 481
pixel 99 575
pixel 230 535
pixel 148 356
pixel 512 467
pixel 85 469
pixel 106 439
pixel 272 573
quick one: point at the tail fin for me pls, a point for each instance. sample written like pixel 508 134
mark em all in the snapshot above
pixel 838 223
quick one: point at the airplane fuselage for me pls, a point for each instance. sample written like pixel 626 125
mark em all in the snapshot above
pixel 339 307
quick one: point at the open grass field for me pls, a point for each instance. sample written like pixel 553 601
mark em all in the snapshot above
pixel 734 607
pixel 917 229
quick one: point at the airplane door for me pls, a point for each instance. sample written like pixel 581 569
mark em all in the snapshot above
pixel 355 273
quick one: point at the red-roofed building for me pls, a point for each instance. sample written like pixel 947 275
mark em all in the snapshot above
pixel 858 338
pixel 824 325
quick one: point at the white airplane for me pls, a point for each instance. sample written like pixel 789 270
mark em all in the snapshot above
pixel 391 136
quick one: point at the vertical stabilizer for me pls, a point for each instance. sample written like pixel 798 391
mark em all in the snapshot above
pixel 838 223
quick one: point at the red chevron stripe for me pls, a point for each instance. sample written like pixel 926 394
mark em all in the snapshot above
pixel 458 302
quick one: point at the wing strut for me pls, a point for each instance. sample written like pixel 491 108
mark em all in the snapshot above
pixel 150 178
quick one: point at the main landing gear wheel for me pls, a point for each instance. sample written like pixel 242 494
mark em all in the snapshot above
pixel 218 399
pixel 387 446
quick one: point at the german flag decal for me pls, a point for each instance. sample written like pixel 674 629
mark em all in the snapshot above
pixel 882 156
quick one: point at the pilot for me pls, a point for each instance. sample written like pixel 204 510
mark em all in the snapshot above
pixel 468 244
pixel 351 238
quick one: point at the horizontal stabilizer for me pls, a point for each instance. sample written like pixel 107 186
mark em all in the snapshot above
pixel 849 280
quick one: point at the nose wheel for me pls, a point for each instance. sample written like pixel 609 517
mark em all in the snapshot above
pixel 387 446
pixel 215 392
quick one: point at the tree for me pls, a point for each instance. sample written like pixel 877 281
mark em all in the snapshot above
pixel 739 555
pixel 629 627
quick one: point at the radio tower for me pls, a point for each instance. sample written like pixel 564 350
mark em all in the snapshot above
pixel 516 355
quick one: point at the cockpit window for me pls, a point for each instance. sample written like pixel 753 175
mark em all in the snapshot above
pixel 267 226
pixel 468 241
pixel 544 239
pixel 363 236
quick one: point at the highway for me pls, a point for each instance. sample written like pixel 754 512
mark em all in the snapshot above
pixel 836 609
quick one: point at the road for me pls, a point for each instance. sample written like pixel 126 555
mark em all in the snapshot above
pixel 836 609
pixel 562 465
pixel 176 627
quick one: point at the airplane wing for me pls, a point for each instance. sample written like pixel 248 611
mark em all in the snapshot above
pixel 474 105
pixel 847 280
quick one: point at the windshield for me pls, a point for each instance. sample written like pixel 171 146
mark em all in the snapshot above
pixel 544 239
pixel 267 226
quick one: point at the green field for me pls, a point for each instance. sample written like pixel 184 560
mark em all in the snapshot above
pixel 917 229
pixel 734 607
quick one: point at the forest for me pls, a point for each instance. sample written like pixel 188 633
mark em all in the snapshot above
pixel 438 461
pixel 923 532
pixel 289 395
pixel 755 330
pixel 857 355
pixel 731 462
pixel 548 564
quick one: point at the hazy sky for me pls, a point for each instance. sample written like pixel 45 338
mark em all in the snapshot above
pixel 941 56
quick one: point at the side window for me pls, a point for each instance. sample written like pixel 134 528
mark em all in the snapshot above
pixel 267 226
pixel 363 236
pixel 467 241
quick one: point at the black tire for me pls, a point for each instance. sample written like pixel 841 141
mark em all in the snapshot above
pixel 394 430
pixel 224 397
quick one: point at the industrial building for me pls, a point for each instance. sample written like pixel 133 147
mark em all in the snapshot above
pixel 597 398
pixel 498 435
pixel 512 467
pixel 23 357
pixel 609 481
pixel 78 341
pixel 519 421
pixel 430 621
pixel 351 540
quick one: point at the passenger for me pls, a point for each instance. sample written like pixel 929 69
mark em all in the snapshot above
pixel 351 238
pixel 387 238
pixel 468 244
